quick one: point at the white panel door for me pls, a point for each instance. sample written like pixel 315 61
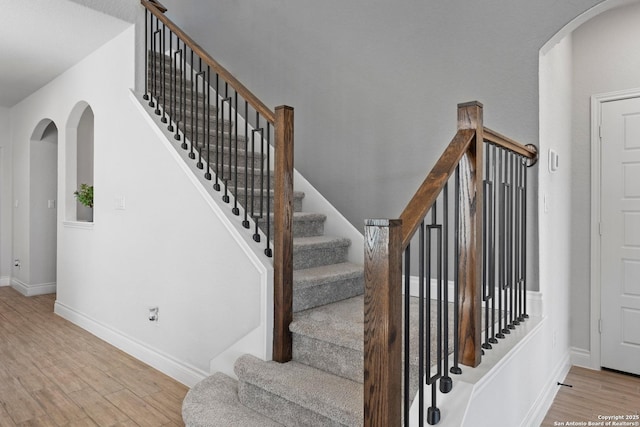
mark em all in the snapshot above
pixel 620 229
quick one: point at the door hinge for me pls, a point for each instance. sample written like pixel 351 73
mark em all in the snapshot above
pixel 600 228
pixel 600 325
pixel 600 132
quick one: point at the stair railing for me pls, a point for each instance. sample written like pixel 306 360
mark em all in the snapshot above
pixel 409 325
pixel 228 132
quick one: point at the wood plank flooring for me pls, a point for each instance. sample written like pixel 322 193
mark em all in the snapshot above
pixel 594 394
pixel 53 373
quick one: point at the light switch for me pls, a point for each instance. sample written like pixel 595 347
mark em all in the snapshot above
pixel 553 160
pixel 119 203
pixel 51 204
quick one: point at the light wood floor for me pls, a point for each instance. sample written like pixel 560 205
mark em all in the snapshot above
pixel 595 393
pixel 53 373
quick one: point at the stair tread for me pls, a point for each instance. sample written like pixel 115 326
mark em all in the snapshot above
pixel 341 323
pixel 214 402
pixel 324 241
pixel 310 276
pixel 334 397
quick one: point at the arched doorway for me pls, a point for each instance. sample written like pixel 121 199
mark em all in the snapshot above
pixel 587 57
pixel 43 208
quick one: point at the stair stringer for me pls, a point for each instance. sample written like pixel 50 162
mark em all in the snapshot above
pixel 258 341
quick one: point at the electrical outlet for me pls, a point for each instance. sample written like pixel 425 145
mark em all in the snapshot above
pixel 153 314
pixel 16 263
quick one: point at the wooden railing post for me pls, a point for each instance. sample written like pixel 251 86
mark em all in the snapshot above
pixel 470 237
pixel 283 235
pixel 382 322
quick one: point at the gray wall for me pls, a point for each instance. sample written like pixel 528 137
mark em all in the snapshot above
pixel 43 165
pixel 375 83
pixel 85 160
pixel 606 58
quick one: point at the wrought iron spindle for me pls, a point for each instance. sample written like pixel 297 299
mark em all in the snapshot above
pixel 245 222
pixel 407 336
pixel 455 369
pixel 235 210
pixel 146 55
pixel 207 174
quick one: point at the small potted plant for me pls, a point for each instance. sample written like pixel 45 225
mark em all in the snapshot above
pixel 84 195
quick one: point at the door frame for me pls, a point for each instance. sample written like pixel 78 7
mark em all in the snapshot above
pixel 596 174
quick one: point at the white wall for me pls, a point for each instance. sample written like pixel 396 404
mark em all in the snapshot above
pixel 5 198
pixel 170 247
pixel 606 58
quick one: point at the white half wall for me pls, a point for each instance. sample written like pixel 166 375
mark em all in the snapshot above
pixel 169 247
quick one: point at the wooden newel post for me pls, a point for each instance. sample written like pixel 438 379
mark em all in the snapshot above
pixel 470 237
pixel 283 235
pixel 382 322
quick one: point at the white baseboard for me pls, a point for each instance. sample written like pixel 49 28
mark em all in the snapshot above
pixel 176 369
pixel 32 290
pixel 539 410
pixel 581 357
pixel 5 281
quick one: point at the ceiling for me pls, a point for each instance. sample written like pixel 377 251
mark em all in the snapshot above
pixel 40 39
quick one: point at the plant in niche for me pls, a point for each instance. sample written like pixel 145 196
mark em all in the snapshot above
pixel 85 195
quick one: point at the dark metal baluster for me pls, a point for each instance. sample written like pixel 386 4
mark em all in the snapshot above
pixel 446 384
pixel 518 236
pixel 236 210
pixel 146 55
pixel 207 174
pixel 183 100
pixel 216 185
pixel 245 222
pixel 421 326
pixel 163 82
pixel 158 69
pixel 258 131
pixel 486 283
pixel 173 72
pixel 492 245
pixel 524 240
pixel 501 254
pixel 153 64
pixel 226 136
pixel 407 334
pixel 194 131
pixel 511 211
pixel 268 251
pixel 455 369
pixel 433 413
pixel 200 144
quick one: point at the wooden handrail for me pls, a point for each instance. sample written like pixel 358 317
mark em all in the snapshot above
pixel 158 5
pixel 428 192
pixel 498 139
pixel 245 93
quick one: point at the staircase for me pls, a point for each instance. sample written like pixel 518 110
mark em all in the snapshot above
pixel 322 385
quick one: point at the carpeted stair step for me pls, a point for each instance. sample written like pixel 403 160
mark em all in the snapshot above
pixel 313 287
pixel 201 128
pixel 214 402
pixel 297 199
pixel 330 338
pixel 188 114
pixel 298 395
pixel 305 224
pixel 316 251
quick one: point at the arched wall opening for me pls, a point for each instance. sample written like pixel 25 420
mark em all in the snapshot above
pixel 79 160
pixel 43 217
pixel 595 53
